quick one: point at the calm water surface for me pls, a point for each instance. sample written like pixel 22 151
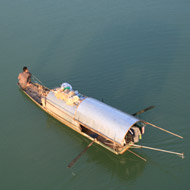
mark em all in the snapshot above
pixel 130 53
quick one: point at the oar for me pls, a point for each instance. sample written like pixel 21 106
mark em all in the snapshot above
pixel 75 159
pixel 144 110
pixel 150 124
pixel 157 149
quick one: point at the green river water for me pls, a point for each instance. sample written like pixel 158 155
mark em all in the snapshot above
pixel 131 53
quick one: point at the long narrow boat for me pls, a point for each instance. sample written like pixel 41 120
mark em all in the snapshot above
pixel 107 126
pixel 87 116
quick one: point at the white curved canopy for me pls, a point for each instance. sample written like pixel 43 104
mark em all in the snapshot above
pixel 105 119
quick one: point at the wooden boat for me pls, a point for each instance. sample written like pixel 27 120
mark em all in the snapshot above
pixel 107 126
pixel 87 116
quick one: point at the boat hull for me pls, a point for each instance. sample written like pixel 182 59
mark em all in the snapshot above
pixel 74 124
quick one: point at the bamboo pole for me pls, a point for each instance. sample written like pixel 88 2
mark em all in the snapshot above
pixel 137 155
pixel 162 129
pixel 161 150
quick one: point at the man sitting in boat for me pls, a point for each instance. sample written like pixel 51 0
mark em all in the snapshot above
pixel 33 89
pixel 24 78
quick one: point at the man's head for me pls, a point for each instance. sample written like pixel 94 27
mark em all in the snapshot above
pixel 25 69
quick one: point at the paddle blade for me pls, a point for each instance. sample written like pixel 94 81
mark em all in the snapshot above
pixel 144 110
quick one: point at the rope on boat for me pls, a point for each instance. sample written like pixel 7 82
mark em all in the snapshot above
pixel 157 149
pixel 35 78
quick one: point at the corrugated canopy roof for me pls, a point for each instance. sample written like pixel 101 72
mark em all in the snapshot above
pixel 105 119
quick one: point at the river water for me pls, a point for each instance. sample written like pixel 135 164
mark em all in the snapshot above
pixel 131 54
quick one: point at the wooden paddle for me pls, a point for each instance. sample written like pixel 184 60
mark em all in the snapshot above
pixel 81 153
pixel 144 110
